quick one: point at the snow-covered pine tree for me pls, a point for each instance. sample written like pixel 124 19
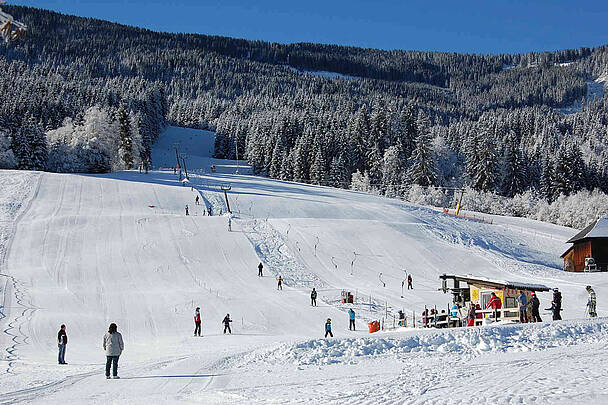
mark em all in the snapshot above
pixel 126 138
pixel 421 169
pixel 514 179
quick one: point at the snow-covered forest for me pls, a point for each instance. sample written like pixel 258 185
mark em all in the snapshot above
pixel 85 95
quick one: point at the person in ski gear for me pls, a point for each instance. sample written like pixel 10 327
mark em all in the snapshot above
pixel 62 341
pixel 197 322
pixel 196 200
pixel 556 305
pixel 187 210
pixel 471 315
pixel 591 303
pixel 260 267
pixel 522 300
pixel 280 283
pixel 495 303
pixel 313 298
pixel 226 322
pixel 229 224
pixel 401 318
pixel 328 328
pixel 351 317
pixel 535 304
pixel 409 282
pixel 113 345
pixel 209 211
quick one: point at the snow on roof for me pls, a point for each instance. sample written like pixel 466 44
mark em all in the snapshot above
pixel 505 283
pixel 597 229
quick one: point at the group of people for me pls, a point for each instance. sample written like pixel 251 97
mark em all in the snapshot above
pixel 206 211
pixel 197 323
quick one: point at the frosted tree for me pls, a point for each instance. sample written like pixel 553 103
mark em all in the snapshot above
pixel 318 168
pixel 7 157
pixel 392 171
pixel 361 182
pixel 126 138
pixel 513 181
pixel 422 163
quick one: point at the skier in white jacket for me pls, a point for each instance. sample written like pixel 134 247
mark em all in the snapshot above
pixel 113 345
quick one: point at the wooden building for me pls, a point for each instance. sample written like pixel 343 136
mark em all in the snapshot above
pixel 589 251
pixel 478 290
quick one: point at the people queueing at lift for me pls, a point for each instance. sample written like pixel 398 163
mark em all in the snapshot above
pixel 522 300
pixel 62 341
pixel 328 328
pixel 351 319
pixel 591 303
pixel 226 323
pixel 535 304
pixel 409 282
pixel 556 305
pixel 280 283
pixel 113 346
pixel 260 267
pixel 197 322
pixel 313 298
pixel 495 303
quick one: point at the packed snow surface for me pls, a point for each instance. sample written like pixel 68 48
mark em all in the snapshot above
pixel 87 250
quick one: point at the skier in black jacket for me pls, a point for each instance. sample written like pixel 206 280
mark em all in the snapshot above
pixel 535 308
pixel 556 305
pixel 226 322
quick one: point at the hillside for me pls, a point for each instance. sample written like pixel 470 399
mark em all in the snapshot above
pixel 86 250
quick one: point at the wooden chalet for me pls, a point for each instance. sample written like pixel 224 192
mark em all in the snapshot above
pixel 589 251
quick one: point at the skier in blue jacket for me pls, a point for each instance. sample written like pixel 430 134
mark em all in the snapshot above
pixel 351 315
pixel 328 328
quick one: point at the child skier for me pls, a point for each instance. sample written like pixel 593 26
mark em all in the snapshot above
pixel 226 323
pixel 328 328
pixel 591 303
pixel 351 316
pixel 197 322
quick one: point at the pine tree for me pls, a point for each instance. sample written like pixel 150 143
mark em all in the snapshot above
pixel 513 181
pixel 318 169
pixel 126 138
pixel 422 164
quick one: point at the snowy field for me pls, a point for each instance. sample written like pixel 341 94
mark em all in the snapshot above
pixel 87 250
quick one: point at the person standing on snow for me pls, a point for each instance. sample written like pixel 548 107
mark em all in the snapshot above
pixel 351 317
pixel 328 328
pixel 260 267
pixel 226 323
pixel 592 302
pixel 229 224
pixel 522 300
pixel 280 283
pixel 113 345
pixel 535 304
pixel 471 315
pixel 556 305
pixel 62 341
pixel 495 303
pixel 197 322
pixel 196 200
pixel 313 298
pixel 187 213
pixel 409 282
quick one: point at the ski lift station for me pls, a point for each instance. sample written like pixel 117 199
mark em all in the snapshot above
pixel 478 290
pixel 589 251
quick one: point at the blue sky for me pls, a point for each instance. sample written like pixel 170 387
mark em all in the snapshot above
pixel 489 26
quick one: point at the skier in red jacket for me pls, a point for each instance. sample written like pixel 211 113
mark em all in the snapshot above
pixel 495 303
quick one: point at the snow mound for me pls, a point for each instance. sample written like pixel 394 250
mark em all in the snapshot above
pixel 464 341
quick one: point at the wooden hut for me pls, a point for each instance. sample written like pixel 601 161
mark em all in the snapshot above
pixel 478 290
pixel 589 250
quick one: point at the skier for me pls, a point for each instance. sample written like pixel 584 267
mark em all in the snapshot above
pixel 197 322
pixel 226 322
pixel 495 303
pixel 401 318
pixel 229 224
pixel 535 303
pixel 280 283
pixel 113 345
pixel 409 282
pixel 187 210
pixel 260 267
pixel 328 328
pixel 209 211
pixel 196 200
pixel 591 303
pixel 556 305
pixel 522 300
pixel 351 316
pixel 313 298
pixel 471 315
pixel 62 341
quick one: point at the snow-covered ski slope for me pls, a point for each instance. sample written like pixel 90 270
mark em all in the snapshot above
pixel 87 250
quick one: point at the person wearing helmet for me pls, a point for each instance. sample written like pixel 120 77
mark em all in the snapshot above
pixel 591 303
pixel 226 323
pixel 197 322
pixel 328 328
pixel 535 304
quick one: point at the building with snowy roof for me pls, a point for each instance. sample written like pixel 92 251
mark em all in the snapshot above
pixel 589 251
